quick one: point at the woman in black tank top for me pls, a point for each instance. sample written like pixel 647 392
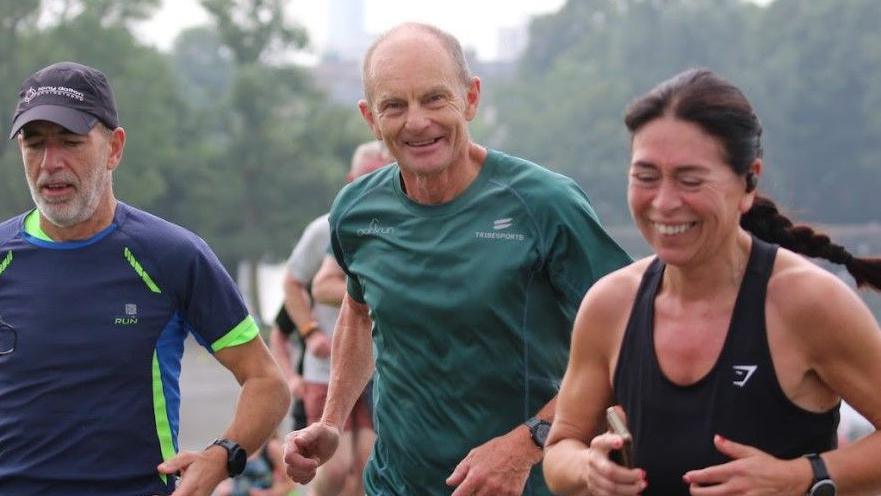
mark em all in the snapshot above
pixel 728 350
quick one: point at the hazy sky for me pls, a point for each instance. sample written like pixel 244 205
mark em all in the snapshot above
pixel 474 22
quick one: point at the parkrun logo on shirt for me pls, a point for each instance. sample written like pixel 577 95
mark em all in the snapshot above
pixel 375 228
pixel 131 316
pixel 500 225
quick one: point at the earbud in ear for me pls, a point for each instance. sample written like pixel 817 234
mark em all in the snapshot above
pixel 752 181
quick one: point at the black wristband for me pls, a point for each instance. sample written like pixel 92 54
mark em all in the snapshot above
pixel 236 458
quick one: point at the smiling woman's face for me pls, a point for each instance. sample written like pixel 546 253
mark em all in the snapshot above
pixel 684 198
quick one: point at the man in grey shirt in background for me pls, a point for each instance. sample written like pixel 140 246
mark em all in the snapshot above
pixel 315 322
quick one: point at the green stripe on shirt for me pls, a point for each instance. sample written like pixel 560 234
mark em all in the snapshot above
pixel 240 334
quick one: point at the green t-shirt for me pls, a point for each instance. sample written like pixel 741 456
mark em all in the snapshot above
pixel 472 303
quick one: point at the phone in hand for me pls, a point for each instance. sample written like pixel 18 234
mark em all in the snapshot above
pixel 623 456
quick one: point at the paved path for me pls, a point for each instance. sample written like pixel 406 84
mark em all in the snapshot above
pixel 208 396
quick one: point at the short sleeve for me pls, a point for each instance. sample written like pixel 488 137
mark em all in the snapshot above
pixel 353 287
pixel 579 251
pixel 309 252
pixel 212 304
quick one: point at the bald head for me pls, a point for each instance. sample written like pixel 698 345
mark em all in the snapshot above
pixel 367 158
pixel 414 33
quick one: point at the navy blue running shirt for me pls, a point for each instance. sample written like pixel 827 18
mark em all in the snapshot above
pixel 89 397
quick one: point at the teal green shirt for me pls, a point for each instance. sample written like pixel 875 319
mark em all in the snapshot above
pixel 472 302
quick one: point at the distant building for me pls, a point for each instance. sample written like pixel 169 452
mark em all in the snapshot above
pixel 347 38
pixel 512 42
pixel 338 71
pixel 340 79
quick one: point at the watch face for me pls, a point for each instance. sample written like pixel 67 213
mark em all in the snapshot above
pixel 823 488
pixel 236 461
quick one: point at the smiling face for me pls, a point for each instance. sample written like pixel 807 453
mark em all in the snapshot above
pixel 418 104
pixel 685 199
pixel 69 175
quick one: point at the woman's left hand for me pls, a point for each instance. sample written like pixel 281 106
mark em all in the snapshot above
pixel 750 472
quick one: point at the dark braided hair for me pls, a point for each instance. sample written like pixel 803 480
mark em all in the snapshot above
pixel 701 97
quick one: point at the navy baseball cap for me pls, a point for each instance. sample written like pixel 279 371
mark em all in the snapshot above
pixel 72 95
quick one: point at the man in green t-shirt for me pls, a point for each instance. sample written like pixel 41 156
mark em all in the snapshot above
pixel 472 264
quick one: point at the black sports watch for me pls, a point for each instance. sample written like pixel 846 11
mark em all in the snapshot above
pixel 235 456
pixel 823 485
pixel 538 430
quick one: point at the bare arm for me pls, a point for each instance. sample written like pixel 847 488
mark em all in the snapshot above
pixel 299 307
pixel 279 346
pixel 262 404
pixel 351 361
pixel 575 460
pixel 351 367
pixel 297 303
pixel 843 348
pixel 263 401
pixel 501 465
pixel 329 285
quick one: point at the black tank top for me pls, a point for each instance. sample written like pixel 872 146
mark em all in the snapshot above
pixel 740 398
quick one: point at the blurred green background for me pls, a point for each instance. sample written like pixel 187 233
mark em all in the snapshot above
pixel 229 137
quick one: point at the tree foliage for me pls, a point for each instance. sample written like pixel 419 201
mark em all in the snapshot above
pixel 267 155
pixel 228 139
pixel 224 137
pixel 811 68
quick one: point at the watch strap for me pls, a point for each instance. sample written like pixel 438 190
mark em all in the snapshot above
pixel 818 466
pixel 821 476
pixel 533 425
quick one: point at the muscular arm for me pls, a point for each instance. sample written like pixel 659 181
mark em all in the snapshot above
pixel 587 388
pixel 329 285
pixel 262 403
pixel 351 367
pixel 263 400
pixel 842 345
pixel 585 391
pixel 351 361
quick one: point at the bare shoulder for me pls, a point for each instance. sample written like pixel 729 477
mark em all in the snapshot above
pixel 606 307
pixel 832 333
pixel 617 288
pixel 797 285
pixel 811 300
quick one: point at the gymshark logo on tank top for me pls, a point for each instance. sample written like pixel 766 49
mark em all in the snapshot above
pixel 130 318
pixel 742 373
pixel 501 225
pixel 375 228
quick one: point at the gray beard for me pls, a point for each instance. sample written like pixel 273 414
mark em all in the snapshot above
pixel 69 215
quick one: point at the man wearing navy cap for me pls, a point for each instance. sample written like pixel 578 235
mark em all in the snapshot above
pixel 96 299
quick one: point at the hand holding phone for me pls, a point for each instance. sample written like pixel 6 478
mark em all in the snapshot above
pixel 623 456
